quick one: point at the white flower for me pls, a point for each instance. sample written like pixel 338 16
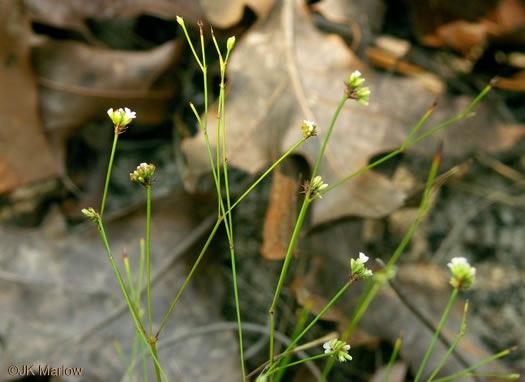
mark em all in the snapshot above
pixel 358 271
pixel 355 79
pixel 463 274
pixel 128 114
pixel 121 118
pixel 339 349
pixel 309 128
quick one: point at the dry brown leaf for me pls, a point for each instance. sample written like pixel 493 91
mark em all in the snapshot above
pixel 25 155
pixel 97 79
pixel 73 14
pixel 266 105
pixel 280 217
pixel 227 13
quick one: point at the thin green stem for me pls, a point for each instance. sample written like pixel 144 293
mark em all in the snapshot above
pixel 393 358
pixel 270 169
pixel 148 281
pixel 456 341
pixel 372 290
pixel 144 364
pixel 328 133
pixel 301 322
pixel 436 334
pixel 284 269
pixel 491 375
pixel 152 339
pixel 128 273
pixel 108 175
pixel 314 321
pixel 191 46
pixel 153 345
pixel 131 306
pixel 406 144
pixel 467 371
pixel 228 222
pixel 192 271
pixel 298 225
pixel 141 271
pixel 419 124
pixel 361 309
pixel 324 355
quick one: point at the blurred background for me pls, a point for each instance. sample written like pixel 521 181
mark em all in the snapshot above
pixel 64 63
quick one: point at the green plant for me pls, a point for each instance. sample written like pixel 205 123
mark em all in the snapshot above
pixel 314 189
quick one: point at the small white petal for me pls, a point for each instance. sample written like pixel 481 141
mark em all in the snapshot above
pixel 364 258
pixel 356 73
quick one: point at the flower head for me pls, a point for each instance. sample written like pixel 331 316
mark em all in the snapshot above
pixel 180 20
pixel 339 349
pixel 355 79
pixel 143 174
pixel 354 89
pixel 358 271
pixel 317 185
pixel 463 274
pixel 91 214
pixel 121 118
pixel 309 129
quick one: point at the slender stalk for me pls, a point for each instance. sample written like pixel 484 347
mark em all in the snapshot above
pixel 451 349
pixel 325 309
pixel 406 144
pixel 141 272
pixel 152 340
pixel 128 273
pixel 153 345
pixel 324 355
pixel 270 169
pixel 192 271
pixel 375 285
pixel 108 175
pixel 467 371
pixel 419 124
pixel 328 133
pixel 131 307
pixel 228 217
pixel 148 280
pixel 301 321
pixel 190 44
pixel 393 358
pixel 144 364
pixel 284 269
pixel 492 375
pixel 436 333
pixel 298 225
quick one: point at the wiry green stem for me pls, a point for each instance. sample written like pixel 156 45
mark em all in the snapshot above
pixel 393 357
pixel 298 225
pixel 108 175
pixel 453 346
pixel 436 334
pixel 131 306
pixel 321 313
pixel 468 371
